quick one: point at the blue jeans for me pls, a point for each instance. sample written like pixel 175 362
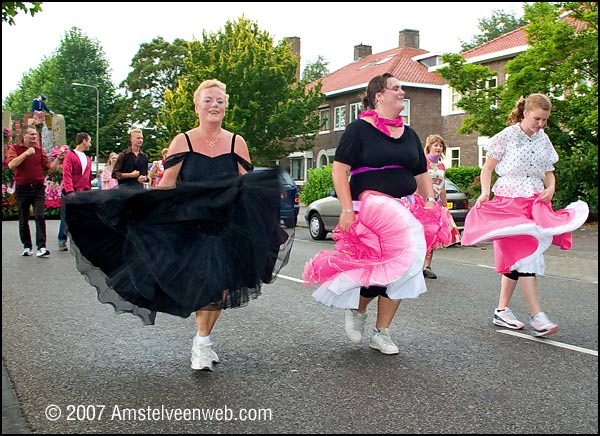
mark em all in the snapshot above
pixel 62 228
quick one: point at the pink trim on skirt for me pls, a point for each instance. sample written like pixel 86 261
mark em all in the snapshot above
pixel 522 229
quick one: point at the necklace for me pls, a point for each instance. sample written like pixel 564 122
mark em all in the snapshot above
pixel 211 143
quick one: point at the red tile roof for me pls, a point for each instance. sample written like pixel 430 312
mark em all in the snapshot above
pixel 400 63
pixel 516 38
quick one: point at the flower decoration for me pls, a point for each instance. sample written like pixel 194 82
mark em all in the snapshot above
pixel 39 117
pixel 56 151
pixel 7 134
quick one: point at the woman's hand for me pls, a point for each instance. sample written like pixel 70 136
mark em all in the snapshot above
pixel 347 217
pixel 481 199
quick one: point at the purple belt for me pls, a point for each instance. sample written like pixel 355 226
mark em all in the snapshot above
pixel 365 169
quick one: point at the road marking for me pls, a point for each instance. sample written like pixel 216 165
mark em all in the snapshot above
pixel 506 332
pixel 549 342
pixel 292 279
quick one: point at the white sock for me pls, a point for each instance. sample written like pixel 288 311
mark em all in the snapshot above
pixel 201 339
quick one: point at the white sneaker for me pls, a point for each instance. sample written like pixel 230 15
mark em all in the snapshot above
pixel 380 340
pixel 203 357
pixel 43 252
pixel 542 326
pixel 27 252
pixel 354 325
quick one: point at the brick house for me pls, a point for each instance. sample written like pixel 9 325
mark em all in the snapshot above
pixel 429 101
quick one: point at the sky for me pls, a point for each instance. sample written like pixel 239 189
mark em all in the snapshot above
pixel 326 29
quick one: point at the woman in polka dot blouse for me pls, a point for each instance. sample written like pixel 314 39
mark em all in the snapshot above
pixel 520 219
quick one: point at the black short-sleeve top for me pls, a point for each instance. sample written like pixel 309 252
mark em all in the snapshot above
pixel 363 145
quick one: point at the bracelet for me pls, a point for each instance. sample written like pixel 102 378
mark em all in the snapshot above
pixel 430 199
pixel 347 210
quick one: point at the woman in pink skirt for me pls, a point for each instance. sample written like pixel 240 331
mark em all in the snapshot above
pixel 520 219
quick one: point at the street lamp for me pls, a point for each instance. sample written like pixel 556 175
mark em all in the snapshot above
pixel 97 120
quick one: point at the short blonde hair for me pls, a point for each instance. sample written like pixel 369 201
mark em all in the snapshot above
pixel 210 83
pixel 435 139
pixel 136 130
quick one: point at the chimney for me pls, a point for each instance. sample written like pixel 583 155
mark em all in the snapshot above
pixel 362 50
pixel 408 38
pixel 294 43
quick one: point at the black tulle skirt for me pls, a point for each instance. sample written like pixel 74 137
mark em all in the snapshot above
pixel 203 246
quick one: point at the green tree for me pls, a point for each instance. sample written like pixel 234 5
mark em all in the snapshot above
pixel 77 59
pixel 315 70
pixel 11 9
pixel 498 24
pixel 268 105
pixel 155 68
pixel 562 62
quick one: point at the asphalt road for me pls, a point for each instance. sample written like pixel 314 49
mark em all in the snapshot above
pixel 286 365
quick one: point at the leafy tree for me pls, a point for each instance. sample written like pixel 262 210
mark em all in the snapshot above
pixel 77 59
pixel 156 67
pixel 562 62
pixel 315 70
pixel 268 105
pixel 500 23
pixel 11 9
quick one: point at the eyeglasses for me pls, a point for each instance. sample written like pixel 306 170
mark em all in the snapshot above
pixel 394 88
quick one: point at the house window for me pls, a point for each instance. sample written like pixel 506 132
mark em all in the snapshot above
pixel 492 83
pixel 297 168
pixel 324 121
pixel 354 111
pixel 323 160
pixel 339 118
pixel 405 114
pixel 455 98
pixel 453 156
pixel 482 156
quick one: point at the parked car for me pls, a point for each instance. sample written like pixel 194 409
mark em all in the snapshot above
pixel 322 215
pixel 289 206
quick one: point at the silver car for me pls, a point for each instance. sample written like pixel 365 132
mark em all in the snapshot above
pixel 323 215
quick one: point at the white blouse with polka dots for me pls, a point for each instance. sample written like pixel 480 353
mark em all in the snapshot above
pixel 522 161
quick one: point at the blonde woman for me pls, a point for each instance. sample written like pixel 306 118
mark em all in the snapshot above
pixel 107 179
pixel 435 150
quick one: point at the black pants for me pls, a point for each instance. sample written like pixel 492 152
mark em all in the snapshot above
pixel 26 196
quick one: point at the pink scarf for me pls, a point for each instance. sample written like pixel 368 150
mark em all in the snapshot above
pixel 382 123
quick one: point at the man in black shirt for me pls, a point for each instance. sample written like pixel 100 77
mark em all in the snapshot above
pixel 131 168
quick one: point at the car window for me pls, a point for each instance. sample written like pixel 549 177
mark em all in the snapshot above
pixel 286 180
pixel 451 187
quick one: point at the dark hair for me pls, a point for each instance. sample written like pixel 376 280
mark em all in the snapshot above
pixel 376 84
pixel 80 137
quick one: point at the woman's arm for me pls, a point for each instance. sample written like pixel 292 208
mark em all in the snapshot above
pixel 339 174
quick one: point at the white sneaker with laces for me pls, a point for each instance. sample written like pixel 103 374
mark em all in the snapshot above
pixel 43 252
pixel 506 318
pixel 381 340
pixel 27 252
pixel 203 357
pixel 354 324
pixel 542 326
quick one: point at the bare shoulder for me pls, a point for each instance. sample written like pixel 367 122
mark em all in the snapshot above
pixel 178 144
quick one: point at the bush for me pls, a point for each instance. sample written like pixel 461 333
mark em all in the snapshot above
pixel 317 185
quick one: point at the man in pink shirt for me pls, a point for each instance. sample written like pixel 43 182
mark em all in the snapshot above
pixel 77 176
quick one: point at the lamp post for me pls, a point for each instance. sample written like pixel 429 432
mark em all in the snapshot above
pixel 97 120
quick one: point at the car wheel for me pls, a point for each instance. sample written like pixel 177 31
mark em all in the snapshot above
pixel 316 228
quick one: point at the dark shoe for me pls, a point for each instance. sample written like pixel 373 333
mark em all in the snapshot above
pixel 428 274
pixel 62 246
